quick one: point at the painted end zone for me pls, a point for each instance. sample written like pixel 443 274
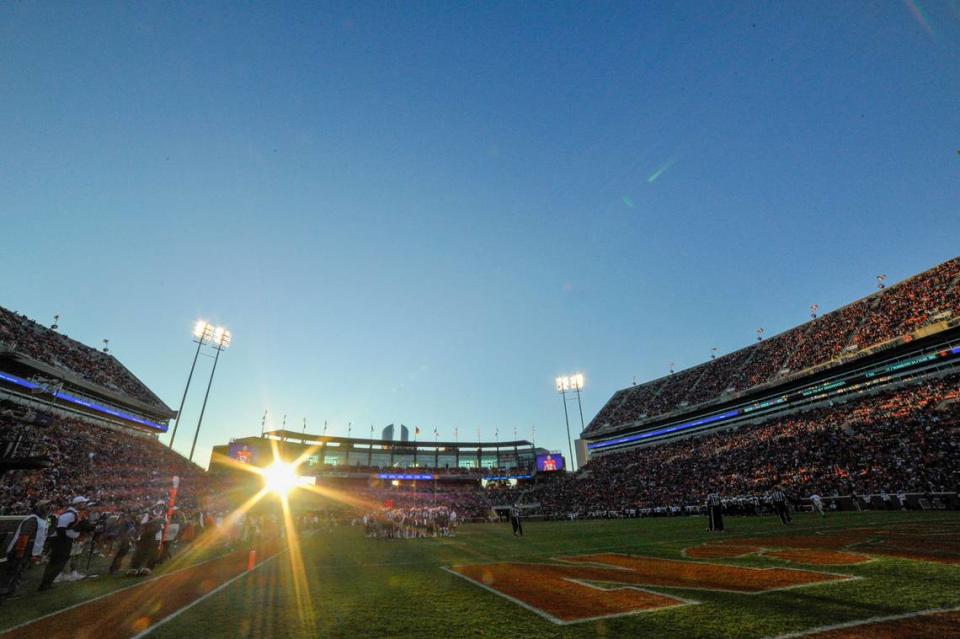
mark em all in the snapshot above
pixel 589 587
pixel 702 576
pixel 560 594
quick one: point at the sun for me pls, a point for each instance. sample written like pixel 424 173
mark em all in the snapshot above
pixel 280 478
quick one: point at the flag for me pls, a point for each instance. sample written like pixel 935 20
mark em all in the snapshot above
pixel 416 430
pixel 324 427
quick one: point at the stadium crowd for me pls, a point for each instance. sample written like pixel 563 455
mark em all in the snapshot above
pixel 25 336
pixel 901 440
pixel 885 315
pixel 119 470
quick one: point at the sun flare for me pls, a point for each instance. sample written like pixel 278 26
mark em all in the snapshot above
pixel 280 478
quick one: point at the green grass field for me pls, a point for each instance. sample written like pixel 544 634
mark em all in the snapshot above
pixel 356 587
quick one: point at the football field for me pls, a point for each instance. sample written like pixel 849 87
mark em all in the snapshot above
pixel 646 577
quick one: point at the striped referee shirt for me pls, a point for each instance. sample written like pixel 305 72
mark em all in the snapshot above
pixel 713 499
pixel 778 497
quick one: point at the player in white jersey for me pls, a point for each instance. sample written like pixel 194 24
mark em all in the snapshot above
pixel 817 502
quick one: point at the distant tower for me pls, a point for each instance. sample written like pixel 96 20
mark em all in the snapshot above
pixel 388 433
pixel 404 433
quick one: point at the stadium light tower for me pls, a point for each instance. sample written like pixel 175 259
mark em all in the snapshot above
pixel 220 340
pixel 567 383
pixel 202 333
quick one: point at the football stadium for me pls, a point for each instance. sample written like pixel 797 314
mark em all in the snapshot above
pixel 830 451
pixel 319 320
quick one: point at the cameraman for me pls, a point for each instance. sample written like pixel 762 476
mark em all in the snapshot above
pixel 69 524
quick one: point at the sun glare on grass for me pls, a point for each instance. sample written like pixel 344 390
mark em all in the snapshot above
pixel 280 478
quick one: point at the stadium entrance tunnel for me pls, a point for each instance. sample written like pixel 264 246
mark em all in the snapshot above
pixel 590 587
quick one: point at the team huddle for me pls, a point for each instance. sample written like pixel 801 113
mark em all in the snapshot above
pixel 410 523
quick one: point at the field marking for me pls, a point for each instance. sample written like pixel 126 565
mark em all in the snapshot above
pixel 765 552
pixel 654 589
pixel 867 559
pixel 845 578
pixel 560 622
pixel 104 595
pixel 759 550
pixel 193 603
pixel 863 622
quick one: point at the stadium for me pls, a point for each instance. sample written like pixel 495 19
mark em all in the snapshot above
pixel 859 406
pixel 496 320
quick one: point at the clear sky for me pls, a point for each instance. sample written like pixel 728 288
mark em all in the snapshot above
pixel 422 212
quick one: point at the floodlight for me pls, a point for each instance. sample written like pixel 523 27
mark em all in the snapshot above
pixel 225 336
pixel 569 382
pixel 201 330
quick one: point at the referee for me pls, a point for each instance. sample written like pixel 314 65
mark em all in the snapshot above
pixel 715 512
pixel 779 501
pixel 515 521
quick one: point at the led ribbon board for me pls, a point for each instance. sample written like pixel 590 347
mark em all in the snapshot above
pixel 664 431
pixel 816 390
pixel 67 397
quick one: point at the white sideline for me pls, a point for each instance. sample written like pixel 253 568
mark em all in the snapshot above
pixel 863 622
pixel 177 613
pixel 104 595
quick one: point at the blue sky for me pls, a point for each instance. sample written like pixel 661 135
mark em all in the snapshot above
pixel 423 212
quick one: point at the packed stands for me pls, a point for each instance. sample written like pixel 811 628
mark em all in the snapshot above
pixel 120 470
pixel 903 439
pixel 26 337
pixel 885 315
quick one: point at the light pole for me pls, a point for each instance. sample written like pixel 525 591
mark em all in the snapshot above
pixel 564 384
pixel 579 405
pixel 202 331
pixel 221 341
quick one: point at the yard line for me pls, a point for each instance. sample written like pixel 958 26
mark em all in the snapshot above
pixel 177 613
pixel 864 622
pixel 104 595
